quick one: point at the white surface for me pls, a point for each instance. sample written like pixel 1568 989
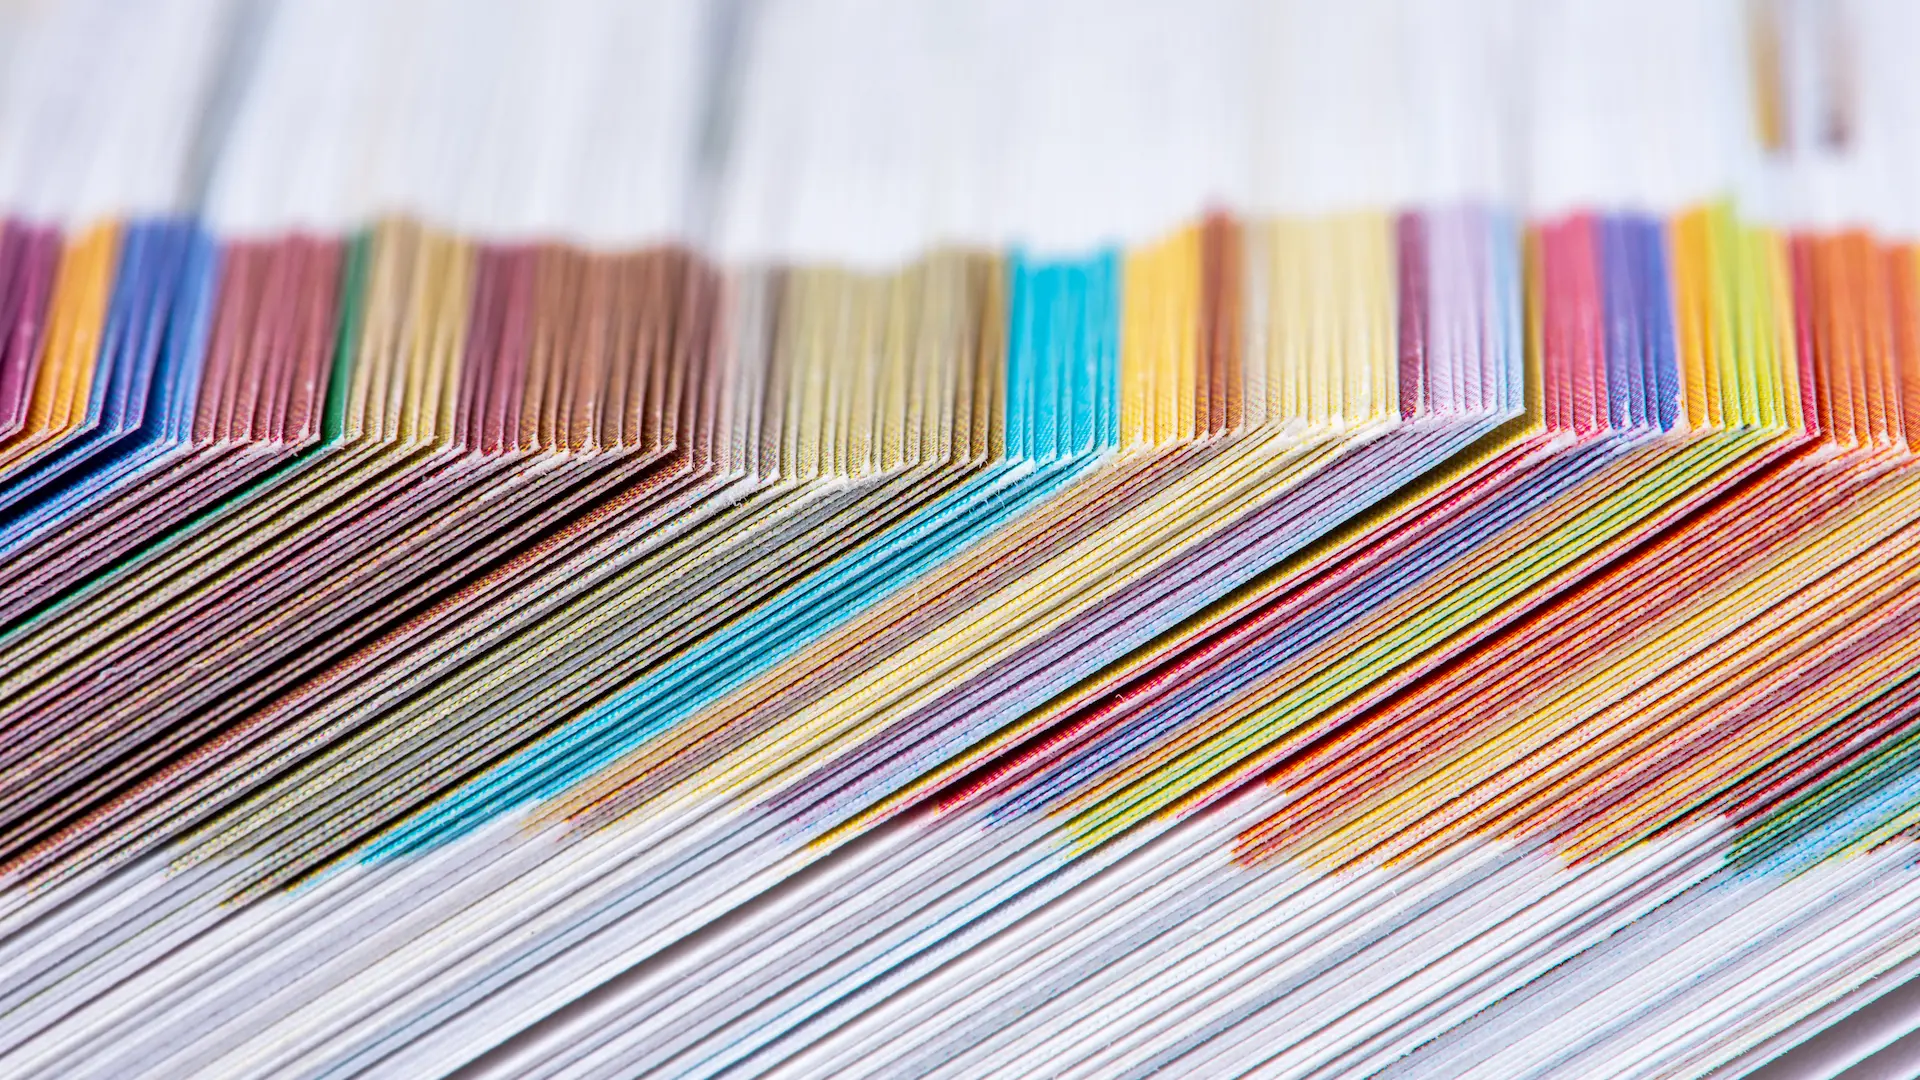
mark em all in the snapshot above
pixel 867 131
pixel 100 102
pixel 565 119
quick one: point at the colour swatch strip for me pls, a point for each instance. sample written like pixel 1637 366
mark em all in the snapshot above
pixel 820 539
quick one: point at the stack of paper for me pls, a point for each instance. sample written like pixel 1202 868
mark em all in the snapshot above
pixel 821 539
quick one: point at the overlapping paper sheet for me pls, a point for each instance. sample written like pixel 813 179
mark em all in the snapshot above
pixel 823 540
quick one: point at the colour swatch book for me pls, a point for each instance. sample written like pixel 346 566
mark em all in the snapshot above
pixel 814 538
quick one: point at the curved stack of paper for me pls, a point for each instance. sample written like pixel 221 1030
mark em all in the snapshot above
pixel 828 539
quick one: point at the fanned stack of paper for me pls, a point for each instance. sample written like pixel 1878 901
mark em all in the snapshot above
pixel 827 539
